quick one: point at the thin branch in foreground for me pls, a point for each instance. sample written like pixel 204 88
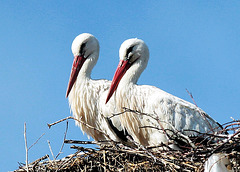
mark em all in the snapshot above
pixel 50 125
pixel 87 125
pixel 36 141
pixel 26 148
pixel 233 120
pixel 87 142
pixel 51 150
pixel 201 113
pixel 65 134
pixel 190 94
pixel 117 114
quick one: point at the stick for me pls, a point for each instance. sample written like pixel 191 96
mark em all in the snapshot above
pixel 65 134
pixel 202 114
pixel 87 125
pixel 50 125
pixel 83 149
pixel 36 141
pixel 34 163
pixel 26 148
pixel 65 163
pixel 51 149
pixel 125 110
pixel 190 94
pixel 87 142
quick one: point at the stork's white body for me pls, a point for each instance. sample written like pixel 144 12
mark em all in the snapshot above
pixel 84 103
pixel 168 109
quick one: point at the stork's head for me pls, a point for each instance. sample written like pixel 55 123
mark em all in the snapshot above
pixel 85 48
pixel 134 55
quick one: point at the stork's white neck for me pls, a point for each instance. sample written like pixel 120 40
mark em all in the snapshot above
pixel 131 76
pixel 133 73
pixel 136 52
pixel 86 70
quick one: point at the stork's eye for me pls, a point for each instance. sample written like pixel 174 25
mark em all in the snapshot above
pixel 131 54
pixel 129 50
pixel 83 49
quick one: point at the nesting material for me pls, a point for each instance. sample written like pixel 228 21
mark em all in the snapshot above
pixel 114 156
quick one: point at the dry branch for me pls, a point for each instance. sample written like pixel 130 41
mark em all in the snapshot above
pixel 65 134
pixel 36 141
pixel 26 147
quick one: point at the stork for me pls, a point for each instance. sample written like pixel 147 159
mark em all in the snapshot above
pixel 84 93
pixel 171 111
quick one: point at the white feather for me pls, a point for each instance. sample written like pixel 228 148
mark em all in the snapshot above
pixel 217 163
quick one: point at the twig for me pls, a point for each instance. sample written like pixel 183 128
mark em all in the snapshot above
pixel 34 163
pixel 65 163
pixel 87 125
pixel 166 145
pixel 51 150
pixel 117 114
pixel 26 148
pixel 87 142
pixel 65 134
pixel 50 125
pixel 231 122
pixel 36 141
pixel 190 94
pixel 82 148
pixel 201 113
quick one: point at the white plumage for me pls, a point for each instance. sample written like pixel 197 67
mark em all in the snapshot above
pixel 83 92
pixel 217 163
pixel 170 110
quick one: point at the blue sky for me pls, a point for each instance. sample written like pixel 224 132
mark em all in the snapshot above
pixel 193 45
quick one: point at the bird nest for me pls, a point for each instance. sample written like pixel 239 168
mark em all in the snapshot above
pixel 115 156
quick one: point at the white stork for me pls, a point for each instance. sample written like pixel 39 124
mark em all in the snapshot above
pixel 83 92
pixel 168 109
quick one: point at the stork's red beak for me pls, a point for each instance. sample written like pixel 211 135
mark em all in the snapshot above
pixel 123 66
pixel 76 66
